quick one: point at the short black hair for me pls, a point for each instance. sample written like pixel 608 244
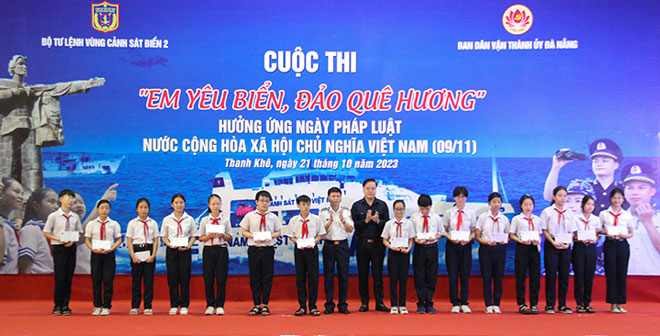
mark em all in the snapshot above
pixel 555 191
pixel 177 195
pixel 424 200
pixel 460 190
pixel 67 192
pixel 303 199
pixel 586 199
pixel 364 183
pixel 494 195
pixel 526 197
pixel 616 191
pixel 143 199
pixel 101 202
pixel 397 202
pixel 334 190
pixel 263 193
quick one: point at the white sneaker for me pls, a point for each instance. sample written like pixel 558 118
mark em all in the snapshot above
pixel 621 309
pixel 615 309
pixel 466 309
pixel 148 312
pixel 489 310
pixel 496 310
pixel 97 311
pixel 455 309
pixel 209 310
pixel 183 311
pixel 403 310
pixel 394 310
pixel 105 311
pixel 173 311
pixel 219 311
pixel 133 311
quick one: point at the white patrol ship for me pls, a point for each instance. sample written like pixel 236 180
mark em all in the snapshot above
pixel 68 164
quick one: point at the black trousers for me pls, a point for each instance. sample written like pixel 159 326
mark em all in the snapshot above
pixel 260 261
pixel 425 270
pixel 370 254
pixel 307 276
pixel 584 267
pixel 557 265
pixel 178 276
pixel 398 264
pixel 142 272
pixel 64 260
pixel 335 253
pixel 616 253
pixel 215 264
pixel 459 263
pixel 491 264
pixel 527 258
pixel 103 268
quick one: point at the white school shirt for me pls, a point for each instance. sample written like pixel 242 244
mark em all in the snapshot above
pixel 315 226
pixel 35 246
pixel 136 229
pixel 112 230
pixel 582 224
pixel 644 257
pixel 521 223
pixel 625 219
pixel 450 219
pixel 56 224
pixel 390 229
pixel 556 224
pixel 435 225
pixel 171 229
pixel 9 263
pixel 251 223
pixel 336 231
pixel 488 225
pixel 210 220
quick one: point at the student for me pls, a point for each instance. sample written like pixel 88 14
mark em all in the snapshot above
pixel 428 228
pixel 178 234
pixel 215 262
pixel 528 256
pixel 11 199
pixel 585 254
pixel 492 233
pixel 265 227
pixel 338 226
pixel 142 237
pixel 398 235
pixel 61 228
pixel 556 220
pixel 34 255
pixel 458 253
pixel 370 215
pixel 301 229
pixel 103 263
pixel 616 250
pixel 640 186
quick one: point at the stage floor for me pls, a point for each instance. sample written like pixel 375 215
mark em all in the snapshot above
pixel 32 317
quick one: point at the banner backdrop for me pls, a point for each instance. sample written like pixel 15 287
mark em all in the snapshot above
pixel 231 97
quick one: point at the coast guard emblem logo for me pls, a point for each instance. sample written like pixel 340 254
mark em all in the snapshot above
pixel 517 19
pixel 601 146
pixel 105 16
pixel 635 170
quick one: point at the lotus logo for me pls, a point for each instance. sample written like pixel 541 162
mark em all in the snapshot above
pixel 517 19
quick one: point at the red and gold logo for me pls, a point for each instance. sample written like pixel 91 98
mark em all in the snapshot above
pixel 105 16
pixel 517 19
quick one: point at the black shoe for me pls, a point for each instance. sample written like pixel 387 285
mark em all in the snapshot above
pixel 344 311
pixel 57 311
pixel 300 312
pixel 581 309
pixel 328 311
pixel 66 311
pixel 382 307
pixel 589 309
pixel 364 308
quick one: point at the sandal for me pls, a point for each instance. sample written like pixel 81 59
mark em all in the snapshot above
pixel 535 310
pixel 523 309
pixel 589 309
pixel 265 311
pixel 300 312
pixel 315 312
pixel 255 311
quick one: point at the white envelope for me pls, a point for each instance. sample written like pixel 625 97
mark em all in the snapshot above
pixel 499 237
pixel 143 255
pixel 618 230
pixel 101 244
pixel 307 242
pixel 460 235
pixel 399 242
pixel 565 238
pixel 425 235
pixel 70 236
pixel 530 236
pixel 212 228
pixel 262 236
pixel 587 235
pixel 179 242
